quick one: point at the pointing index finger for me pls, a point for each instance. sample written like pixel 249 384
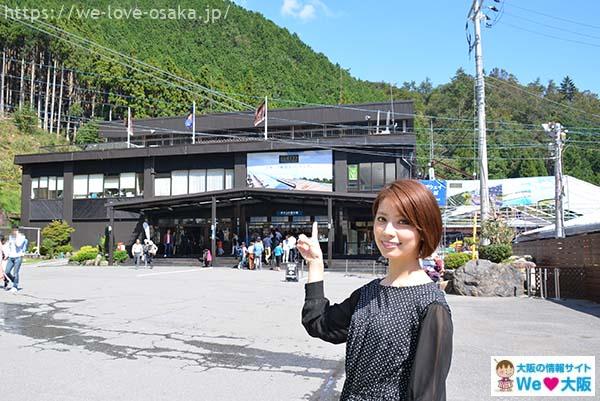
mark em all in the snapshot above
pixel 315 231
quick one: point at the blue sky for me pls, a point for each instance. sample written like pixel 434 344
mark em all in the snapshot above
pixel 402 40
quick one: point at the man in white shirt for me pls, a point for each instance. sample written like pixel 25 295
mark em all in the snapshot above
pixel 292 246
pixel 137 251
pixel 15 248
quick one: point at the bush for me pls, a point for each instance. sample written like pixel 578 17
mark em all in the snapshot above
pixel 48 247
pixel 56 235
pixel 84 253
pixel 456 260
pixel 495 253
pixel 64 249
pixel 120 256
pixel 26 120
pixel 89 133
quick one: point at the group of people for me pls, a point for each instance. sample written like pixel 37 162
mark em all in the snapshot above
pixel 12 251
pixel 271 250
pixel 143 252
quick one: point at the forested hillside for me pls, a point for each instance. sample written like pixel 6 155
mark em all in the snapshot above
pixel 233 62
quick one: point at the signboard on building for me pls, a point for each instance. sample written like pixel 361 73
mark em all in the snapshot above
pixel 309 170
pixel 438 188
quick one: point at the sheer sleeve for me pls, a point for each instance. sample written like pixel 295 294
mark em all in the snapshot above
pixel 433 356
pixel 325 321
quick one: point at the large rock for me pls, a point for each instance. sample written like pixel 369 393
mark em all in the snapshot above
pixel 482 278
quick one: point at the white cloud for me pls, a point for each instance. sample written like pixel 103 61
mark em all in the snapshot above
pixel 304 10
pixel 307 12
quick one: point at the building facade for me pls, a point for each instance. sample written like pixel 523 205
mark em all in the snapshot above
pixel 321 164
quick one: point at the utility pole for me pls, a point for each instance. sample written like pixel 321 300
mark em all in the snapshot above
pixel 476 16
pixel 431 169
pixel 556 132
pixel 194 122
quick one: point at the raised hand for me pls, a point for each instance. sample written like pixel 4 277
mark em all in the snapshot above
pixel 310 249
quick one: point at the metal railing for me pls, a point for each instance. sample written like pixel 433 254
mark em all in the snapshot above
pixel 143 140
pixel 536 281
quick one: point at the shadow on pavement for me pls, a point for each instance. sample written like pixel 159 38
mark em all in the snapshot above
pixel 37 321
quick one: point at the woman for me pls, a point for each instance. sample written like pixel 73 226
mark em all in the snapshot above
pixel 398 329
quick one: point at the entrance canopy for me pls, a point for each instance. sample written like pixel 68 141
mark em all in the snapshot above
pixel 240 199
pixel 241 196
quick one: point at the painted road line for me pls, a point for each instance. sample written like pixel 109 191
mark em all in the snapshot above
pixel 174 272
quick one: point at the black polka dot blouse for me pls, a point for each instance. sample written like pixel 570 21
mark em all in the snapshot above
pixel 398 339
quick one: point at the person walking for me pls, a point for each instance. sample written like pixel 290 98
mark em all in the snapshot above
pixel 293 257
pixel 150 250
pixel 398 329
pixel 3 260
pixel 251 256
pixel 137 251
pixel 258 251
pixel 16 248
pixel 278 252
pixel 168 241
pixel 267 244
pixel 286 249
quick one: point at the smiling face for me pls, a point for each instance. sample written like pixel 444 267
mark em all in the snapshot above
pixel 505 371
pixel 394 236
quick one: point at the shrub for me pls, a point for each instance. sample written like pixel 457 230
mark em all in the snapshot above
pixel 456 260
pixel 64 249
pixel 497 231
pixel 495 253
pixel 88 133
pixel 26 120
pixel 56 234
pixel 84 253
pixel 120 256
pixel 48 247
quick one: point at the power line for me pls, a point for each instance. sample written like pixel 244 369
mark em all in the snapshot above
pixel 556 17
pixel 544 98
pixel 552 36
pixel 552 26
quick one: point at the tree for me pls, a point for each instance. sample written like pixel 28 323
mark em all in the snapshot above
pixel 567 88
pixel 89 133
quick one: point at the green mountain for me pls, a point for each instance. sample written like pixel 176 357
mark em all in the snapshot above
pixel 247 57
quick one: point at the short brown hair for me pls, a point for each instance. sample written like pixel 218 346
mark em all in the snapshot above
pixel 416 204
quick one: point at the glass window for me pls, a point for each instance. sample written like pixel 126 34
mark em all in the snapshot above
pixel 139 182
pixel 35 182
pixel 228 178
pixel 279 219
pixel 43 188
pixel 353 176
pixel 390 172
pixel 197 181
pixel 179 182
pixel 111 186
pixel 127 184
pixel 364 176
pixel 377 179
pixel 80 186
pixel 162 185
pixel 59 187
pixel 51 187
pixel 214 179
pixel 95 186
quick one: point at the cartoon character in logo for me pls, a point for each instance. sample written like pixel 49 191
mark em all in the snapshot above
pixel 505 369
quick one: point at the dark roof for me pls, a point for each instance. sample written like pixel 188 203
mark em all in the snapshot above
pixel 242 145
pixel 278 118
pixel 239 195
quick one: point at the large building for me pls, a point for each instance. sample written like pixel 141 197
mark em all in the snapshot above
pixel 321 164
